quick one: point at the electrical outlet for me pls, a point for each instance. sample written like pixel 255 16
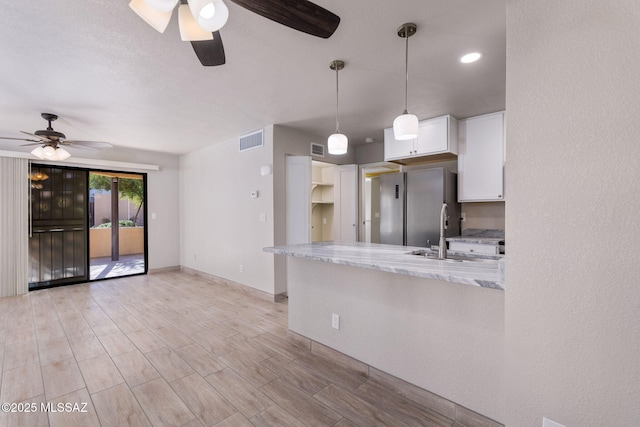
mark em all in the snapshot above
pixel 241 268
pixel 324 221
pixel 463 216
pixel 335 321
pixel 194 257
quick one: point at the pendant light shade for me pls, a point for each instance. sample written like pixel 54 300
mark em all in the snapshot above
pixel 158 20
pixel 337 143
pixel 162 5
pixel 405 126
pixel 190 31
pixel 211 15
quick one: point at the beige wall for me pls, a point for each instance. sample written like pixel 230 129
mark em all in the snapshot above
pixel 572 302
pixel 126 208
pixel 489 215
pixel 220 228
pixel 131 241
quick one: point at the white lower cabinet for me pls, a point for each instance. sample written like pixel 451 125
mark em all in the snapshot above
pixel 481 158
pixel 478 248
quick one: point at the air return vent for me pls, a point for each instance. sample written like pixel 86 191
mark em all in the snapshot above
pixel 252 140
pixel 317 149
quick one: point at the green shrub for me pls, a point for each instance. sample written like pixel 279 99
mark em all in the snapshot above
pixel 121 223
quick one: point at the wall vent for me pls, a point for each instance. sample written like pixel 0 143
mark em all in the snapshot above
pixel 251 140
pixel 317 149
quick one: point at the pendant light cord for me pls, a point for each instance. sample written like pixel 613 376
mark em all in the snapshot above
pixel 337 123
pixel 406 67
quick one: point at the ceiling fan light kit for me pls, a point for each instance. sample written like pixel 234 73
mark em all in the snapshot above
pixel 189 29
pixel 162 5
pixel 337 143
pixel 211 15
pixel 405 126
pixel 51 153
pixel 156 19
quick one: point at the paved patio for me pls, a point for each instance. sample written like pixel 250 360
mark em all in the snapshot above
pixel 104 267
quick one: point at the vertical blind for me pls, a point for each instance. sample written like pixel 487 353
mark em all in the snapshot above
pixel 14 231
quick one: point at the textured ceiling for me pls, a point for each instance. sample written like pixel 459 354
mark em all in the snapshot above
pixel 110 77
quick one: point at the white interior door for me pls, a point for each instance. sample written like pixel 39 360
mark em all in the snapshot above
pixel 298 200
pixel 345 220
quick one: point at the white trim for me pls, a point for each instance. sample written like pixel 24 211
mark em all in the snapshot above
pixel 81 161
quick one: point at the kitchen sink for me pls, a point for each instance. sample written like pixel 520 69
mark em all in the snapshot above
pixel 433 256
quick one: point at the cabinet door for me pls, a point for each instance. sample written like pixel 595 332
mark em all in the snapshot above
pixel 345 217
pixel 396 149
pixel 433 136
pixel 481 158
pixel 298 199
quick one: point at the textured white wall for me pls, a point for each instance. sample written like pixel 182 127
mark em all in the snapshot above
pixel 444 337
pixel 220 223
pixel 573 275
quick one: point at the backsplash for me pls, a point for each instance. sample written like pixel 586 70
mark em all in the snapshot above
pixel 486 215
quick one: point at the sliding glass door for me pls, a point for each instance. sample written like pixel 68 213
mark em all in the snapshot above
pixel 116 224
pixel 85 225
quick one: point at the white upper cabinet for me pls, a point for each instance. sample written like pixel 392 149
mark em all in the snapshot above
pixel 436 136
pixel 481 158
pixel 396 149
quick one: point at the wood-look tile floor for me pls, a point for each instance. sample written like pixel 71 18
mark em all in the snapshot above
pixel 174 349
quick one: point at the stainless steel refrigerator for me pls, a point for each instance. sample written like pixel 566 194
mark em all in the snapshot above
pixel 410 205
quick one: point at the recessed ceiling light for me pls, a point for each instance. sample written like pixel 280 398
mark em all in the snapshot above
pixel 470 57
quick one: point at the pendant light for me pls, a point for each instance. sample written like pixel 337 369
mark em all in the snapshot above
pixel 405 126
pixel 337 143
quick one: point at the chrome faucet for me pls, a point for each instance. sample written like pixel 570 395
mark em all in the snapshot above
pixel 444 217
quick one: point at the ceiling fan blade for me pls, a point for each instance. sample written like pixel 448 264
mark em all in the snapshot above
pixel 81 147
pixel 301 15
pixel 20 139
pixel 41 138
pixel 86 144
pixel 210 52
pixel 32 144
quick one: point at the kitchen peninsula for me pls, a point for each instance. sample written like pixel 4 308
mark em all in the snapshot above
pixel 435 324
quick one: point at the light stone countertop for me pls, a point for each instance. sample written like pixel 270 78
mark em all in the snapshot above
pixel 479 235
pixel 397 259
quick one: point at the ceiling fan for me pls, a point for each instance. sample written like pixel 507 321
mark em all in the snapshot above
pixel 50 142
pixel 201 20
